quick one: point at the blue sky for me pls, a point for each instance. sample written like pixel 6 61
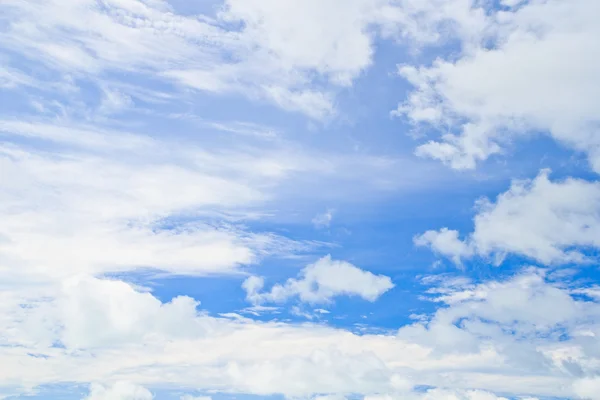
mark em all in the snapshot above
pixel 317 199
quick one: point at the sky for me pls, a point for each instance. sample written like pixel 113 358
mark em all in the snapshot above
pixel 299 199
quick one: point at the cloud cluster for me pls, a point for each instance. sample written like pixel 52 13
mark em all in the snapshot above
pixel 530 69
pixel 551 222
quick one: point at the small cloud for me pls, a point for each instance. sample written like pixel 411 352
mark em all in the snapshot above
pixel 321 221
pixel 297 311
pixel 320 283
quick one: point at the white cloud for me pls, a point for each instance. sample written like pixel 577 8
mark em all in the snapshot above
pixel 548 221
pixel 11 78
pixel 509 82
pixel 262 49
pixel 320 282
pixel 323 45
pixel 323 220
pixel 119 391
pixel 83 204
pixel 445 242
pixel 128 333
pixel 419 23
pixel 511 325
pixel 128 317
pixel 153 203
pixel 509 317
pixel 274 54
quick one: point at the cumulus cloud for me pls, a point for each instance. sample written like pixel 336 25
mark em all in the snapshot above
pixel 445 242
pixel 320 282
pixel 508 82
pixel 129 316
pixel 119 391
pixel 548 221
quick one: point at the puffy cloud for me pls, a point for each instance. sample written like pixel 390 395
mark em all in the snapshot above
pixel 527 298
pixel 119 391
pixel 509 316
pixel 509 83
pixel 320 282
pixel 445 242
pixel 108 313
pixel 548 221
